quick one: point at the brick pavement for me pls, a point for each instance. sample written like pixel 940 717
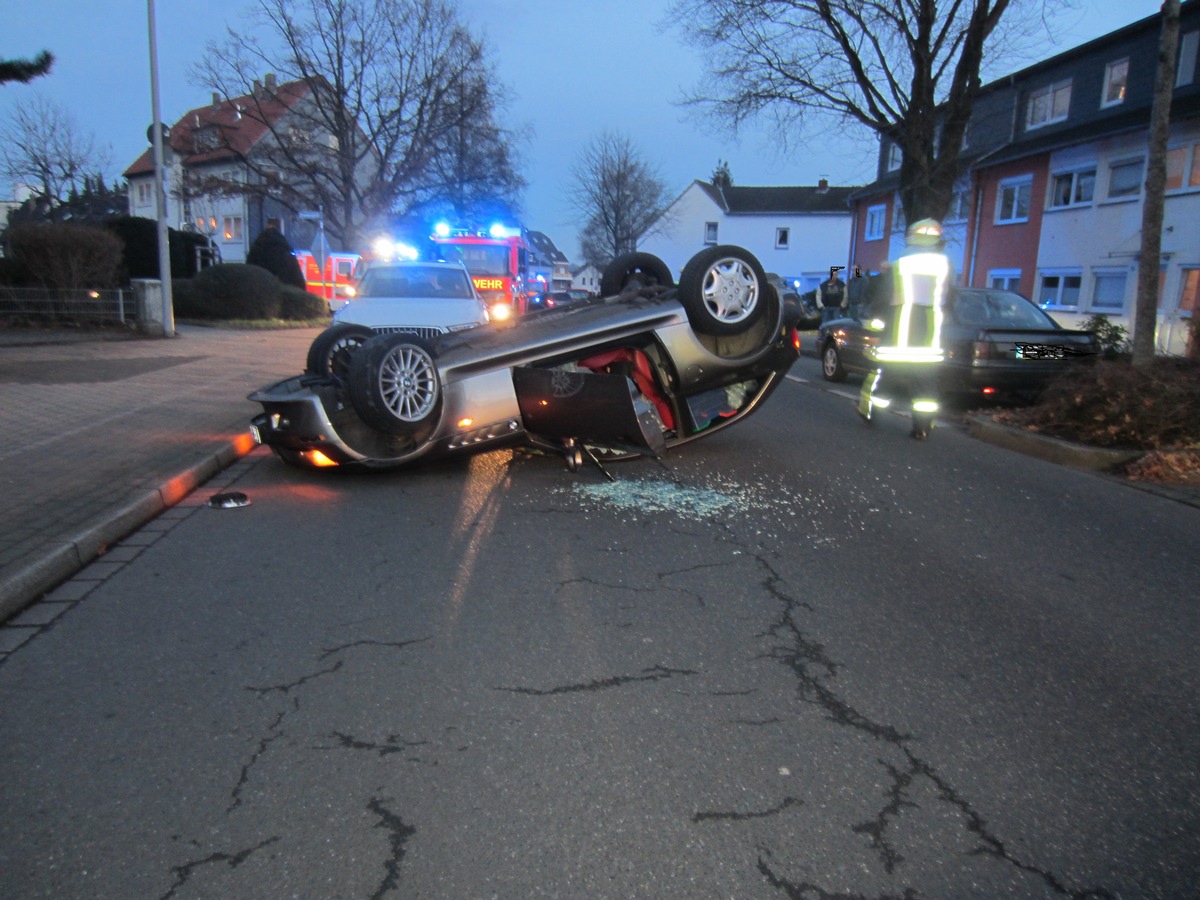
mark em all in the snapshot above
pixel 102 435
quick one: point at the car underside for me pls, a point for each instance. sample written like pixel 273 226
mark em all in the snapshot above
pixel 610 377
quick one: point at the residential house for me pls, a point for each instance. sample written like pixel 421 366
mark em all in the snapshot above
pixel 208 173
pixel 548 261
pixel 586 278
pixel 1050 199
pixel 796 232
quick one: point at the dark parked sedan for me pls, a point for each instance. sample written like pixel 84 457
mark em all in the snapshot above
pixel 649 368
pixel 997 344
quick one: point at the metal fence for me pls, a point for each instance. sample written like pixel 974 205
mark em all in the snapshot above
pixel 43 305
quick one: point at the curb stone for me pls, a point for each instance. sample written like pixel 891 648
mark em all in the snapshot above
pixel 1051 449
pixel 24 586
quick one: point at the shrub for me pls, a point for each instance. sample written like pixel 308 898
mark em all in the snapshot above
pixel 187 300
pixel 183 244
pixel 1115 404
pixel 1113 338
pixel 272 252
pixel 12 273
pixel 238 291
pixel 65 255
pixel 139 236
pixel 300 305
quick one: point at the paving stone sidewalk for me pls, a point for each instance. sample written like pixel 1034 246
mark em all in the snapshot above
pixel 101 435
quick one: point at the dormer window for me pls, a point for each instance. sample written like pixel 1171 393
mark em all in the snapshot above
pixel 895 157
pixel 205 139
pixel 1048 105
pixel 1116 75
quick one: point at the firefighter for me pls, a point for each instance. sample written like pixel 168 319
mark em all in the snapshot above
pixel 908 321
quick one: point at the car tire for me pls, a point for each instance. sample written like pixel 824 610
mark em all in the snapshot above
pixel 723 290
pixel 633 271
pixel 831 363
pixel 332 349
pixel 394 385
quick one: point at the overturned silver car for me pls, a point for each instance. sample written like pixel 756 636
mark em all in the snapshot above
pixel 646 367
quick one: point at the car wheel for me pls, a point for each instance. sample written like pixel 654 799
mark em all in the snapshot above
pixel 723 290
pixel 633 271
pixel 831 363
pixel 394 385
pixel 331 351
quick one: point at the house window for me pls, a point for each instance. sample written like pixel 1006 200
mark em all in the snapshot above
pixel 277 224
pixel 895 157
pixel 876 217
pixel 1048 105
pixel 1059 290
pixel 1186 62
pixel 1125 179
pixel 1116 75
pixel 145 192
pixel 1012 203
pixel 1108 292
pixel 781 238
pixel 1188 291
pixel 233 228
pixel 710 232
pixel 1183 168
pixel 960 206
pixel 1072 188
pixel 1004 279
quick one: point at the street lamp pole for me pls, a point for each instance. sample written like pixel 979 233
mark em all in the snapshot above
pixel 160 194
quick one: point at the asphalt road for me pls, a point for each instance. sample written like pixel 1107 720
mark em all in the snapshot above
pixel 805 658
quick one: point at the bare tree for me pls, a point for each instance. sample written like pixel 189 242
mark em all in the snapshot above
pixel 908 70
pixel 391 85
pixel 43 148
pixel 620 197
pixel 25 70
pixel 475 172
pixel 1145 317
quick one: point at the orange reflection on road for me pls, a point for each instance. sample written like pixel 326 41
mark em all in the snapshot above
pixel 486 484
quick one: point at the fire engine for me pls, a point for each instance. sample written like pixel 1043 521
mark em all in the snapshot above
pixel 498 261
pixel 336 284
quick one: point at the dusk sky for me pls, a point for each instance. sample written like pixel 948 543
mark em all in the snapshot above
pixel 574 68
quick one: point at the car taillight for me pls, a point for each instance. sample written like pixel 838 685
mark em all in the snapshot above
pixel 796 339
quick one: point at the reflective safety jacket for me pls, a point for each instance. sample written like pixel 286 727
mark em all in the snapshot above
pixel 912 325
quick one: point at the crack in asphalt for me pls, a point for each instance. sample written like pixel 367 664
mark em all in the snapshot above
pixel 723 816
pixel 812 667
pixel 395 645
pixel 263 744
pixel 303 680
pixel 806 889
pixel 877 830
pixel 274 732
pixel 184 872
pixel 398 835
pixel 392 744
pixel 654 673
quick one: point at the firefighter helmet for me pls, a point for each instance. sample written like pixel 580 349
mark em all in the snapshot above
pixel 924 233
